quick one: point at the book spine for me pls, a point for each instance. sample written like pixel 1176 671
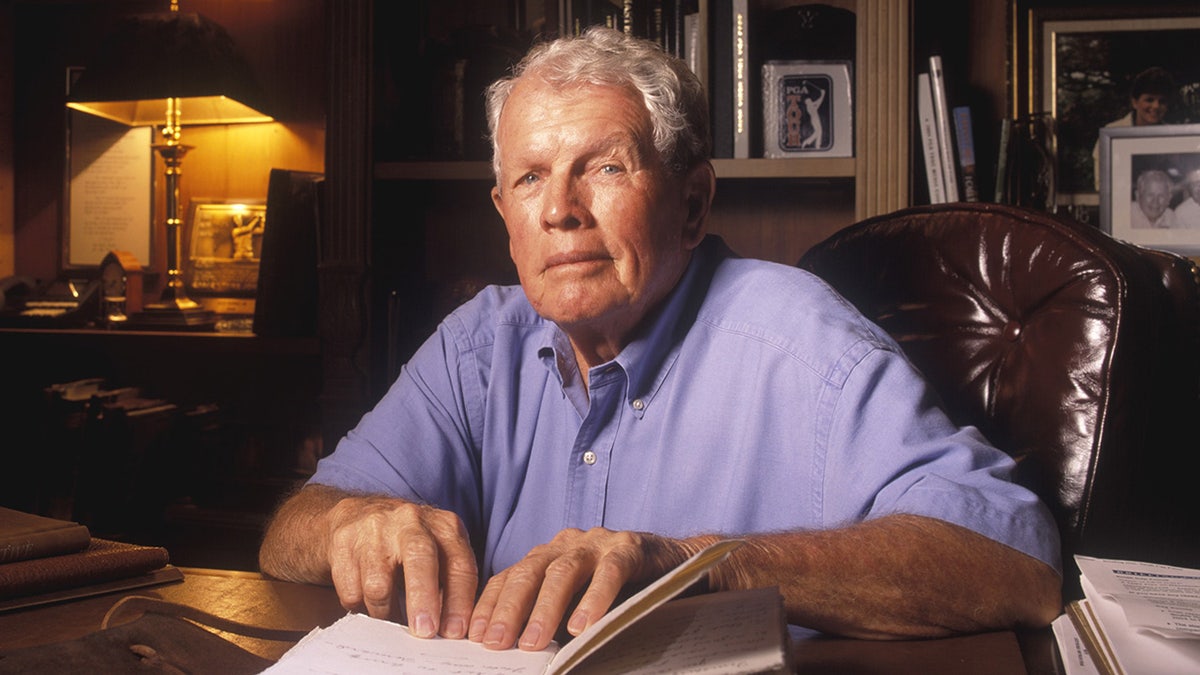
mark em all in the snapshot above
pixel 966 153
pixel 721 84
pixel 741 79
pixel 44 544
pixel 1000 191
pixel 937 84
pixel 691 41
pixel 103 560
pixel 929 145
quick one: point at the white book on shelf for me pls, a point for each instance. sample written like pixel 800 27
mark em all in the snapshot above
pixel 934 176
pixel 941 112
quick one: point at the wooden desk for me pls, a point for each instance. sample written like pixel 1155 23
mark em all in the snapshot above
pixel 249 598
pixel 241 596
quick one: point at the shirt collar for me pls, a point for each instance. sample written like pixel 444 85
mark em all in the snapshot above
pixel 648 358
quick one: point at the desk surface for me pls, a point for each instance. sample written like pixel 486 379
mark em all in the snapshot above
pixel 249 598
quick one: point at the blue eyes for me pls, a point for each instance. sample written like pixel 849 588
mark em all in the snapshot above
pixel 605 170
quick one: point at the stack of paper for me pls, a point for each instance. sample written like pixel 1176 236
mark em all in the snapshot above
pixel 1136 618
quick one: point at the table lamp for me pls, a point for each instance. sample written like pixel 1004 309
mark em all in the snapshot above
pixel 169 69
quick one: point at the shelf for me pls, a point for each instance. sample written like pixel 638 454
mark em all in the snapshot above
pixel 215 343
pixel 842 167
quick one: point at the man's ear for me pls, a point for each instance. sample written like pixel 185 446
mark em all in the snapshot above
pixel 700 185
pixel 496 199
pixel 498 203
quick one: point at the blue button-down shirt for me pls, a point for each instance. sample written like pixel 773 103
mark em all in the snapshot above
pixel 754 400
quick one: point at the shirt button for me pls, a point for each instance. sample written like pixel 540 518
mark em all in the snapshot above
pixel 638 404
pixel 589 458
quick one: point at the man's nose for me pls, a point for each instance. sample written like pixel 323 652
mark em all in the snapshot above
pixel 562 206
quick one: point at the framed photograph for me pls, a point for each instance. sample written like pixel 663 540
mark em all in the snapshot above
pixel 1086 65
pixel 1150 186
pixel 223 247
pixel 808 109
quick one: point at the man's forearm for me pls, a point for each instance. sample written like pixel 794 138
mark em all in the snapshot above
pixel 899 576
pixel 295 546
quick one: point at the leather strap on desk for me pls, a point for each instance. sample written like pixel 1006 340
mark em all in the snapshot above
pixel 144 604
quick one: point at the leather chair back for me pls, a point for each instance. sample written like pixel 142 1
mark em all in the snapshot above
pixel 1075 353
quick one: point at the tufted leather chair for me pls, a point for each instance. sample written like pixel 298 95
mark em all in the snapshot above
pixel 1075 353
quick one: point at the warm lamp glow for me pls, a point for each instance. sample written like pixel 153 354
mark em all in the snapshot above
pixel 169 69
pixel 149 112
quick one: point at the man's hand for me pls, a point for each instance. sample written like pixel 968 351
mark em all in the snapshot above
pixel 365 545
pixel 531 598
pixel 371 539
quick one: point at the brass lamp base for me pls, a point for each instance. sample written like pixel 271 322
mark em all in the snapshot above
pixel 173 316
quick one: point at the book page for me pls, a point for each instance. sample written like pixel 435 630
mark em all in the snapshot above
pixel 641 604
pixel 1159 597
pixel 1137 650
pixel 728 632
pixel 358 644
pixel 362 645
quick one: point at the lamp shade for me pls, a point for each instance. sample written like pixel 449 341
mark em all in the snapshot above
pixel 150 58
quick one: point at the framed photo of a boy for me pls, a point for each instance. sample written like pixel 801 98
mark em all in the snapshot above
pixel 1150 186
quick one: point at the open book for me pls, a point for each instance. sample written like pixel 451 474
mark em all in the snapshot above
pixel 729 632
pixel 1135 618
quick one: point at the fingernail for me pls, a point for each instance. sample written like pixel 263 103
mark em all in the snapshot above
pixel 494 635
pixel 578 622
pixel 533 633
pixel 423 626
pixel 477 628
pixel 455 627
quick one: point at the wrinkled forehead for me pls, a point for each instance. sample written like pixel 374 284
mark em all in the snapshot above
pixel 537 88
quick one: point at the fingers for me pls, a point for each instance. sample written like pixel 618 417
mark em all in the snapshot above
pixel 613 572
pixel 440 576
pixel 363 568
pixel 526 603
pixel 375 542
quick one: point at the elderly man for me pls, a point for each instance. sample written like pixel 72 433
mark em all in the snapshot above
pixel 1151 205
pixel 644 392
pixel 1187 214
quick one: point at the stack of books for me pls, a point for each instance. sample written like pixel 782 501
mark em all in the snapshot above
pixel 46 559
pixel 947 141
pixel 1135 617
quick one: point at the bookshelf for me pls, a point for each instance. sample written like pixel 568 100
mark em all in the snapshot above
pixel 879 167
pixel 426 221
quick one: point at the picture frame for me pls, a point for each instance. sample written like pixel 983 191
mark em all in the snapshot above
pixel 1083 62
pixel 108 192
pixel 790 108
pixel 223 251
pixel 1164 156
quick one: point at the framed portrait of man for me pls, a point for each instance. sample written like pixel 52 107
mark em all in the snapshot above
pixel 1150 184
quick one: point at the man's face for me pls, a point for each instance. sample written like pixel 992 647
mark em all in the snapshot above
pixel 1149 109
pixel 1153 197
pixel 598 229
pixel 1193 185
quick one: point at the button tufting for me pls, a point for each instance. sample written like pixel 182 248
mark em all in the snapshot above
pixel 1012 331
